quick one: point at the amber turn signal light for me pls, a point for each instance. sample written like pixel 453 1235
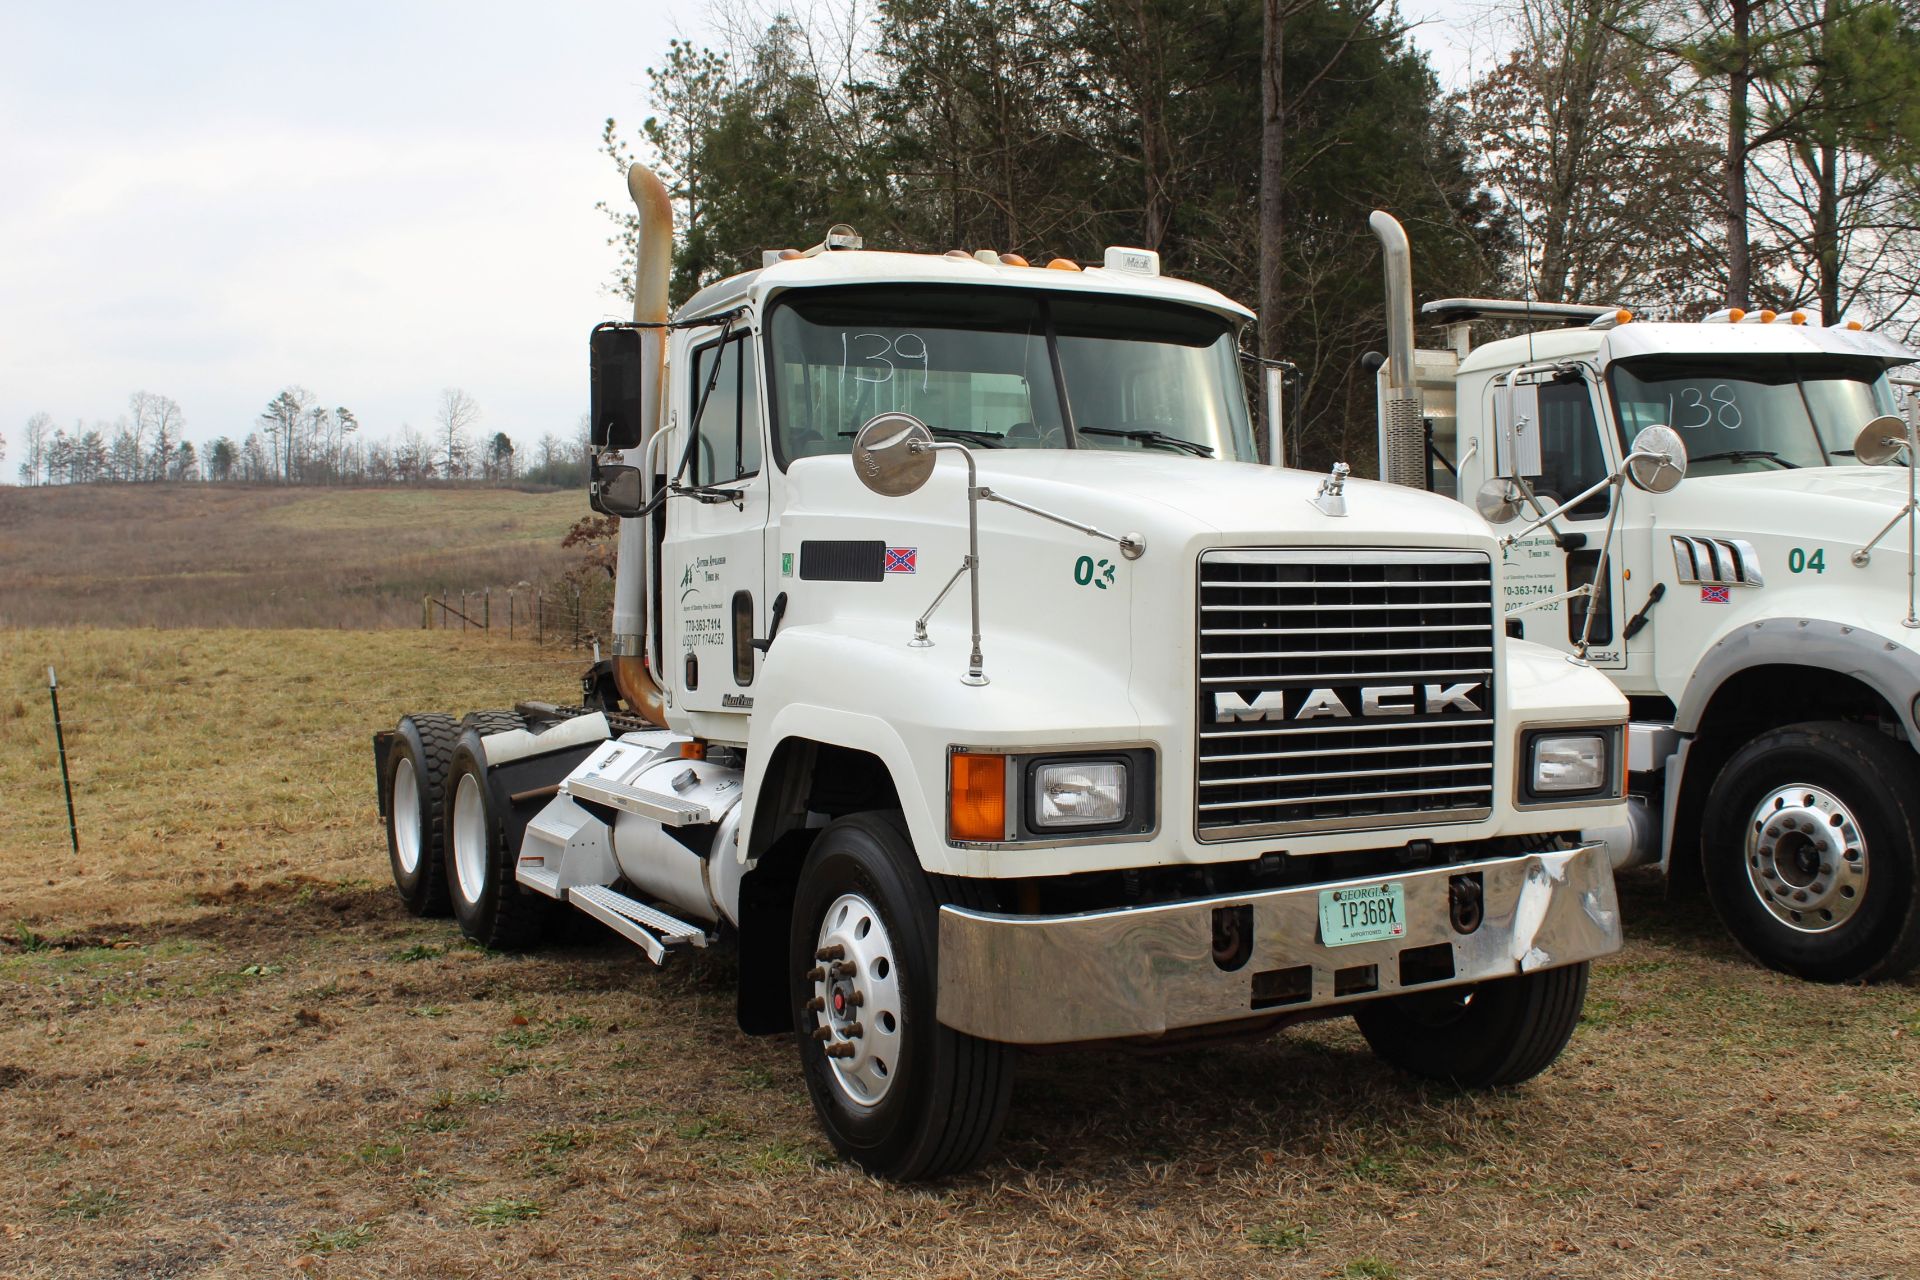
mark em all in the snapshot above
pixel 977 797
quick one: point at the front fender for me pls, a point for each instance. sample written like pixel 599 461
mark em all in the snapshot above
pixel 1889 668
pixel 907 707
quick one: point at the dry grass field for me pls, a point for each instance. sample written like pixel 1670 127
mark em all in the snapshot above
pixel 208 555
pixel 225 1051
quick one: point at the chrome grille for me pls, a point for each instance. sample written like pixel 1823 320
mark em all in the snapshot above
pixel 1343 690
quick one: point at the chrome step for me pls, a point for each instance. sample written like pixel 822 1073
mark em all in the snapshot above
pixel 668 811
pixel 652 930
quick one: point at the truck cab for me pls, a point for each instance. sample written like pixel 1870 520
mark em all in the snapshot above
pixel 1758 617
pixel 972 677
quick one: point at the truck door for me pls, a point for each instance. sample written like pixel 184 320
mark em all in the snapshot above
pixel 714 568
pixel 1574 456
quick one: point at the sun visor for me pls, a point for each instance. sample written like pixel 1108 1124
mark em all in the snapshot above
pixel 1659 339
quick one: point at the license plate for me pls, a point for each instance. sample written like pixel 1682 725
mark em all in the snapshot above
pixel 1364 913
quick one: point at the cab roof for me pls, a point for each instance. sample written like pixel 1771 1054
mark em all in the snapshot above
pixel 1650 338
pixel 864 266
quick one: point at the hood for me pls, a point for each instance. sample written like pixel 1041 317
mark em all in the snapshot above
pixel 1227 498
pixel 1834 502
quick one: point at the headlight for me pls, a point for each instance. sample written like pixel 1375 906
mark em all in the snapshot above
pixel 1570 762
pixel 1080 794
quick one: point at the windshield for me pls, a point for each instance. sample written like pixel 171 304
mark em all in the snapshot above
pixel 1006 369
pixel 1752 415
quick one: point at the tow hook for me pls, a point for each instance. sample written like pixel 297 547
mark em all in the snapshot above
pixel 1466 906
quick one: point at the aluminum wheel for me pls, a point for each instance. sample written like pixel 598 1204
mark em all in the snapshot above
pixel 469 836
pixel 856 997
pixel 1806 858
pixel 404 813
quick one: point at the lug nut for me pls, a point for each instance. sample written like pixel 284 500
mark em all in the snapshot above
pixel 816 974
pixel 857 999
pixel 842 1050
pixel 816 1004
pixel 841 969
pixel 823 1033
pixel 832 951
pixel 853 1031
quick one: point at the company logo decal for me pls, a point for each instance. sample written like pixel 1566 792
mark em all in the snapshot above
pixel 1371 701
pixel 1714 595
pixel 901 559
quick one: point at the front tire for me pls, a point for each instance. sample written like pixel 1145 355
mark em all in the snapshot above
pixel 897 1092
pixel 417 764
pixel 1810 847
pixel 1485 1036
pixel 492 908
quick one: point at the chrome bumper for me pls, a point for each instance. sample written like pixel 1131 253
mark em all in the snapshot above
pixel 1144 970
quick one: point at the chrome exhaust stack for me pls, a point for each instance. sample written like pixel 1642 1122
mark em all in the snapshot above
pixel 634 569
pixel 1403 432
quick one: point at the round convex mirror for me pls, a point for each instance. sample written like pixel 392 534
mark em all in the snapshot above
pixel 1496 501
pixel 893 454
pixel 1661 472
pixel 1880 441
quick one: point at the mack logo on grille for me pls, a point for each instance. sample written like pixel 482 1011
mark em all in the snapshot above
pixel 1344 702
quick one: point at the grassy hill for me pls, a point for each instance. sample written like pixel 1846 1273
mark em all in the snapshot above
pixel 243 556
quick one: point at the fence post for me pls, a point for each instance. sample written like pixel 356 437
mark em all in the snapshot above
pixel 465 610
pixel 60 739
pixel 486 608
pixel 443 608
pixel 540 617
pixel 426 613
pixel 509 613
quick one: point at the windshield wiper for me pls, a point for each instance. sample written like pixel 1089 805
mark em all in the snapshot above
pixel 1746 455
pixel 986 438
pixel 1151 437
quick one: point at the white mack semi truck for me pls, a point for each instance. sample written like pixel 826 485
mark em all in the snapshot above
pixel 1761 622
pixel 973 680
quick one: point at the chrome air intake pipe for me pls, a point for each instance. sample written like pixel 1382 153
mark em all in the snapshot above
pixel 634 568
pixel 1403 432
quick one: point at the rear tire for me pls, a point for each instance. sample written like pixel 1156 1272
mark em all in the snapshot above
pixel 1485 1036
pixel 415 783
pixel 493 908
pixel 911 1098
pixel 1812 851
pixel 493 721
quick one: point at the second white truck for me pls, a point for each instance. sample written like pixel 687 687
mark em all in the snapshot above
pixel 1761 620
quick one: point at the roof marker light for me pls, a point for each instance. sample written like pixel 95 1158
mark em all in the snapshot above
pixel 1063 264
pixel 1767 317
pixel 1798 317
pixel 1013 260
pixel 1736 315
pixel 1855 325
pixel 959 255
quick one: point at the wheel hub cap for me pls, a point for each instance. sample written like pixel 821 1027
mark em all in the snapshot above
pixel 469 836
pixel 404 812
pixel 856 999
pixel 1806 858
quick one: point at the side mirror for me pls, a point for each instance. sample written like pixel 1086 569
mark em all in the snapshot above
pixel 615 491
pixel 1880 441
pixel 1658 460
pixel 1496 502
pixel 893 454
pixel 618 368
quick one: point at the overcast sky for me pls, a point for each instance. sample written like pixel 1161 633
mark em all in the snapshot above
pixel 373 200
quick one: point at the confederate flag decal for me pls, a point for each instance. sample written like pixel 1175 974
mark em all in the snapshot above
pixel 900 559
pixel 1714 595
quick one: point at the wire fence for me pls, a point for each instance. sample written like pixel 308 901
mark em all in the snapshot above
pixel 559 613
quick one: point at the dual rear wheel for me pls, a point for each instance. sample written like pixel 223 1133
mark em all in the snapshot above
pixel 446 835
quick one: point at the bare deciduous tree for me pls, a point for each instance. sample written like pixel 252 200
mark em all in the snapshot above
pixel 458 411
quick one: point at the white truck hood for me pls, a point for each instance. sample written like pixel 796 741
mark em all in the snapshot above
pixel 1223 497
